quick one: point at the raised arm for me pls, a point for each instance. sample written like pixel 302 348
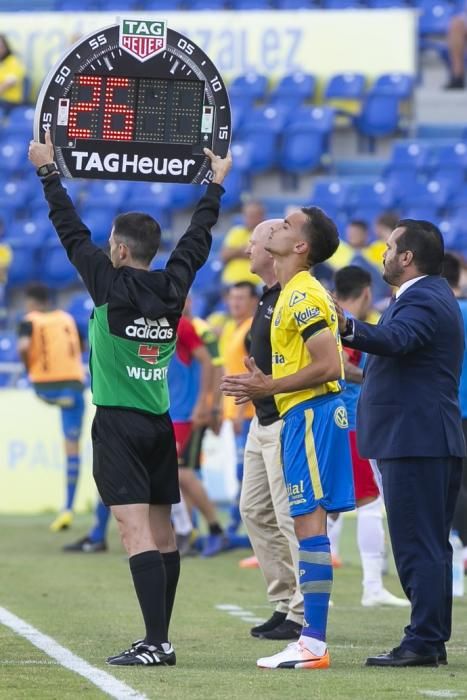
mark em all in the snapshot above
pixel 92 263
pixel 193 248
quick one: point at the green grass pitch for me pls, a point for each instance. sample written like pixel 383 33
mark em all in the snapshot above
pixel 86 603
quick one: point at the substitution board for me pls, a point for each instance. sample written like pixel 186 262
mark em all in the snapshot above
pixel 135 101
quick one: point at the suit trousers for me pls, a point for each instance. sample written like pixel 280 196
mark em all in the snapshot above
pixel 420 495
pixel 264 508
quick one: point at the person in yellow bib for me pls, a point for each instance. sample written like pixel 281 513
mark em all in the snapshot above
pixel 12 75
pixel 233 253
pixel 50 347
pixel 307 371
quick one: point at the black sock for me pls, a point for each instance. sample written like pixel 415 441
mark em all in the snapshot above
pixel 172 572
pixel 215 529
pixel 149 580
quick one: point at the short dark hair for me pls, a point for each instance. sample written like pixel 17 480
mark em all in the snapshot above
pixel 361 223
pixel 140 232
pixel 350 281
pixel 451 269
pixel 244 284
pixel 38 292
pixel 321 233
pixel 388 219
pixel 426 243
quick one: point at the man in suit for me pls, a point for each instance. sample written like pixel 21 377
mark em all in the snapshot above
pixel 409 421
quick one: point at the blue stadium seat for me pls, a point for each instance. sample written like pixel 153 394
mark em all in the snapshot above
pixel 110 193
pixel 184 196
pixel 379 115
pixel 459 200
pixel 251 85
pixel 294 88
pixel 250 4
pixel 24 265
pixel 410 154
pixel 399 181
pixel 435 17
pixel 56 271
pixel 160 4
pixel 13 155
pixel 451 177
pixel 262 145
pixel 99 221
pixel 80 307
pixel 345 86
pixel 20 122
pixel 206 5
pixel 30 232
pixel 242 155
pixel 321 118
pixel 330 194
pixel 340 4
pixel 160 261
pixel 76 5
pixel 234 186
pixel 367 214
pixel 385 4
pixel 13 196
pixel 294 4
pixel 110 5
pixel 302 149
pixel 270 118
pixel 433 194
pixel 453 155
pixel 240 107
pixel 207 279
pixel 399 84
pixel 8 347
pixel 420 211
pixel 372 194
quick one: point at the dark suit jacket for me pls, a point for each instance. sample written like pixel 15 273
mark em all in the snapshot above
pixel 409 404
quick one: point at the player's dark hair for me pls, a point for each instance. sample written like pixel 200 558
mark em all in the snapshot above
pixel 8 50
pixel 38 292
pixel 388 219
pixel 321 233
pixel 140 232
pixel 245 285
pixel 361 223
pixel 426 243
pixel 350 281
pixel 451 269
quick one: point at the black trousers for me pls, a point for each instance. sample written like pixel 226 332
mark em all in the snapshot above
pixel 420 496
pixel 460 514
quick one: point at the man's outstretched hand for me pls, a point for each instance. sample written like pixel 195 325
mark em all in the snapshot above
pixel 219 166
pixel 244 387
pixel 41 153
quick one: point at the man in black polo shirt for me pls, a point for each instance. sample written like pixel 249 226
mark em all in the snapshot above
pixel 264 503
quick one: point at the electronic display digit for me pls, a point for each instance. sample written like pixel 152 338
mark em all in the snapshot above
pixel 135 101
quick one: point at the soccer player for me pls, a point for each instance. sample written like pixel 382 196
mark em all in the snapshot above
pixel 132 338
pixel 307 370
pixel 50 347
pixel 353 292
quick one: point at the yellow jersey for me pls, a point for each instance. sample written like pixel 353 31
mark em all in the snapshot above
pixel 304 308
pixel 11 67
pixel 233 351
pixel 238 269
pixel 55 352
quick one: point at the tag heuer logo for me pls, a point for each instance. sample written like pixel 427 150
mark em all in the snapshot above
pixel 143 39
pixel 149 353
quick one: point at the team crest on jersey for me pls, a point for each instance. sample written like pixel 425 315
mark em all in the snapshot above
pixel 296 297
pixel 149 353
pixel 340 417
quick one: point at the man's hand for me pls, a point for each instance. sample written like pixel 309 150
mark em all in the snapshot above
pixel 220 166
pixel 41 153
pixel 254 385
pixel 341 317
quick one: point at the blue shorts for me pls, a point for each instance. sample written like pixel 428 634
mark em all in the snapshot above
pixel 316 456
pixel 71 403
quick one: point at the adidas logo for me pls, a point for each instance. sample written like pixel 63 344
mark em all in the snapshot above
pixel 148 329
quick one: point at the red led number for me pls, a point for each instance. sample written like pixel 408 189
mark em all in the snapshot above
pixel 111 108
pixel 74 131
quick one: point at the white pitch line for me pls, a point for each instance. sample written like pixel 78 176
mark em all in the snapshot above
pixel 107 683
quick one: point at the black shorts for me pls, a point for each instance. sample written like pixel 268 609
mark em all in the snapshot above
pixel 134 457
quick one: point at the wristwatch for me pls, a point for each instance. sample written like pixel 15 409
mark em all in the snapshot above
pixel 47 169
pixel 349 328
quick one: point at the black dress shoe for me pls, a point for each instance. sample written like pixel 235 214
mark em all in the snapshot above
pixel 443 659
pixel 286 630
pixel 274 621
pixel 401 658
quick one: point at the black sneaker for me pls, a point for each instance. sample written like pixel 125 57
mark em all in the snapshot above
pixel 86 545
pixel 274 621
pixel 145 655
pixel 135 645
pixel 286 630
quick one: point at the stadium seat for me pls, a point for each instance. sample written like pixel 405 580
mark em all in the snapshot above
pixel 234 186
pixel 241 154
pixel 270 118
pixel 13 155
pixel 341 4
pixel 20 122
pixel 160 261
pixel 302 148
pixel 262 145
pixel 30 232
pixel 207 279
pixel 77 5
pixel 110 5
pixel 345 86
pixel 239 107
pixel 112 193
pixel 99 221
pixel 160 4
pixel 386 4
pixel 80 307
pixel 432 194
pixel 8 347
pixel 379 115
pixel 371 194
pixel 435 17
pixel 453 155
pixel 56 271
pixel 294 4
pixel 399 84
pixel 24 266
pixel 399 181
pixel 330 194
pixel 206 4
pixel 410 154
pixel 251 85
pixel 183 196
pixel 250 4
pixel 293 89
pixel 13 196
pixel 459 200
pixel 321 118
